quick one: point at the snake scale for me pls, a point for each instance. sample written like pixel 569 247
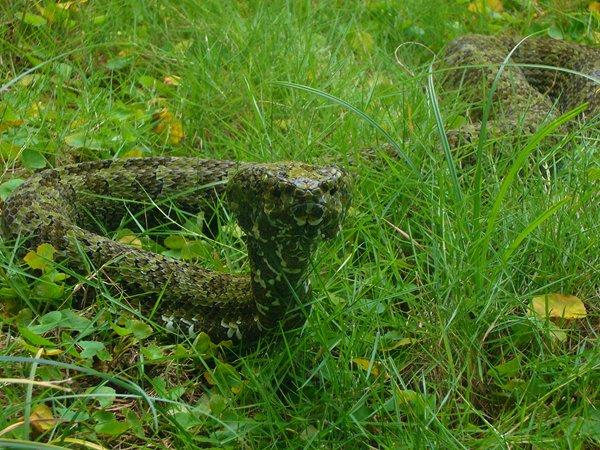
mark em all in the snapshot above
pixel 285 209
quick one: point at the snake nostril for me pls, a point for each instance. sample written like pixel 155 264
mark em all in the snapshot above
pixel 317 212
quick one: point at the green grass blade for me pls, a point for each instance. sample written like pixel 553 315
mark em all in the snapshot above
pixel 532 226
pixel 445 144
pixel 28 445
pixel 356 111
pixel 115 379
pixel 515 168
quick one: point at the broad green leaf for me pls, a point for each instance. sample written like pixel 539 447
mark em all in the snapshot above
pixel 54 276
pixel 175 242
pixel 147 81
pixel 415 402
pixel 226 377
pixel 9 186
pixel 99 20
pixel 82 140
pixel 189 419
pixel 141 330
pixel 46 251
pixel 32 159
pixel 74 321
pixel 105 395
pixel 66 319
pixel 555 33
pixel 196 249
pixel 41 258
pixel 109 425
pixel 153 353
pixel 48 290
pixel 34 339
pixel 507 369
pixel 63 70
pixel 32 19
pixel 217 404
pixel 203 345
pixel 94 348
pixel 119 62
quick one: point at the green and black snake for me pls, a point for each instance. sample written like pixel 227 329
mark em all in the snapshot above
pixel 283 208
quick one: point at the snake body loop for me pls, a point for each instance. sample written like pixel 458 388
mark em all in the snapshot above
pixel 528 92
pixel 285 209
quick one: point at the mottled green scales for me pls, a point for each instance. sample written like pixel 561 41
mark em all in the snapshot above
pixel 283 208
pixel 525 97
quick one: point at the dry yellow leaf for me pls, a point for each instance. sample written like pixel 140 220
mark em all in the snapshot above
pixel 69 4
pixel 594 7
pixel 209 378
pixel 42 419
pixel 362 42
pixel 131 240
pixel 6 124
pixel 133 153
pixel 171 80
pixel 480 6
pixel 34 109
pixel 364 363
pixel 168 124
pixel 283 124
pixel 29 79
pixel 559 305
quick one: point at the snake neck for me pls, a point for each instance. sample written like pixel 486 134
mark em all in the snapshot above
pixel 279 279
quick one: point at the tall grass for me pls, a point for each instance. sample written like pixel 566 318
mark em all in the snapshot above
pixel 419 335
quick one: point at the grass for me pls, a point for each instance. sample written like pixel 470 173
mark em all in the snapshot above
pixel 420 334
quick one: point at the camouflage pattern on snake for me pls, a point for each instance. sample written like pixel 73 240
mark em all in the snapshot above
pixel 284 209
pixel 525 97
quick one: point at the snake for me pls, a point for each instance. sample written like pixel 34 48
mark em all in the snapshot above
pixel 529 91
pixel 284 210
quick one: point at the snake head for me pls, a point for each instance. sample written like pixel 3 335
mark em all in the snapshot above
pixel 289 200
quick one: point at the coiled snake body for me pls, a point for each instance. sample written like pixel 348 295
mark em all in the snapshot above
pixel 526 93
pixel 283 208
